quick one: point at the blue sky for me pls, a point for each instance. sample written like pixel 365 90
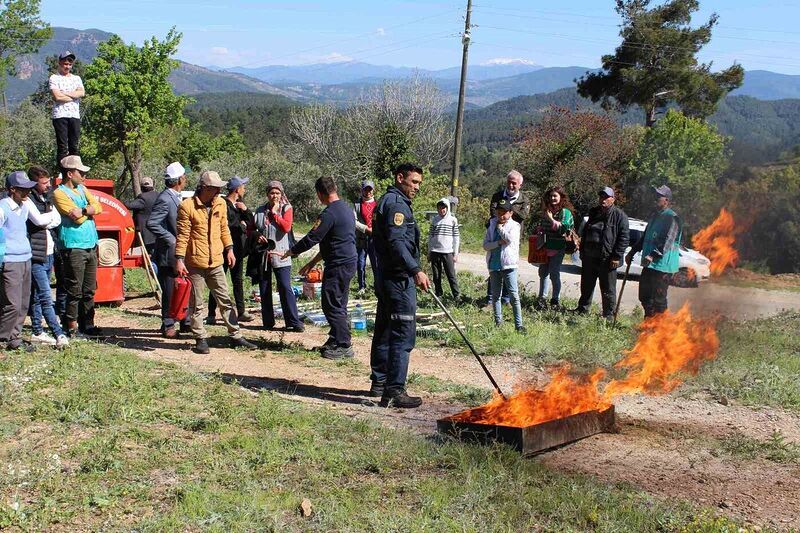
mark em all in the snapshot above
pixel 758 34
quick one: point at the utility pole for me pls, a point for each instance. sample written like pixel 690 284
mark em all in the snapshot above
pixel 461 92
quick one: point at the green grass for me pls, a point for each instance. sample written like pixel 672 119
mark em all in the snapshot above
pixel 758 363
pixel 466 394
pixel 96 438
pixel 776 448
pixel 552 336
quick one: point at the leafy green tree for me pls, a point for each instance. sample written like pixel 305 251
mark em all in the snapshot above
pixel 688 155
pixel 21 32
pixel 26 138
pixel 395 146
pixel 130 100
pixel 767 205
pixel 656 63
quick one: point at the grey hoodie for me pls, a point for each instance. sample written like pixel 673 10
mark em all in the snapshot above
pixel 444 237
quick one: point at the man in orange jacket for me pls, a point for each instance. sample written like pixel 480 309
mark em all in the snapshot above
pixel 203 239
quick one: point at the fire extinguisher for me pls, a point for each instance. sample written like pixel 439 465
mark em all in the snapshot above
pixel 179 306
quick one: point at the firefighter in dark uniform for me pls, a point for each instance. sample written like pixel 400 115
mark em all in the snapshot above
pixel 335 232
pixel 396 237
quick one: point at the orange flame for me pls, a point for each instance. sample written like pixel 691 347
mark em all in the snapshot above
pixel 669 344
pixel 716 242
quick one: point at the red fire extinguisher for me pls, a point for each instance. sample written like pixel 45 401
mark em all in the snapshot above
pixel 179 306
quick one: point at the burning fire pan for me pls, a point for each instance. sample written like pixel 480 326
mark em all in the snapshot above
pixel 533 439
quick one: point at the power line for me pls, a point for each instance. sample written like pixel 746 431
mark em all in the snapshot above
pixel 631 44
pixel 522 14
pixel 361 36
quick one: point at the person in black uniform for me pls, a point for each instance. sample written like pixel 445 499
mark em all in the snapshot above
pixel 335 232
pixel 396 237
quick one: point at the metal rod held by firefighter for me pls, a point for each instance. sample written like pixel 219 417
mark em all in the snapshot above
pixel 471 347
pixel 621 290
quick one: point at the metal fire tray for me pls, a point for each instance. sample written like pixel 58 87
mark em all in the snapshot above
pixel 534 439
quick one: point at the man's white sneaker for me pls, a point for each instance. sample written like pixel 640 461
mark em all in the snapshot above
pixel 43 338
pixel 62 341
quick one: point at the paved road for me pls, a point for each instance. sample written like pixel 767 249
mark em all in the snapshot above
pixel 709 298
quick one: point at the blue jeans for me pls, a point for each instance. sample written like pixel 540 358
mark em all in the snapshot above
pixel 42 299
pixel 283 280
pixel 498 280
pixel 361 265
pixel 553 269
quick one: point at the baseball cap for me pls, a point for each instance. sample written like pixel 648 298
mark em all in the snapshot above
pixel 19 180
pixel 147 181
pixel 664 191
pixel 209 178
pixel 367 183
pixel 65 54
pixel 73 162
pixel 503 204
pixel 174 171
pixel 608 191
pixel 236 182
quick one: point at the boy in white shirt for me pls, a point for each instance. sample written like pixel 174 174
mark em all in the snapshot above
pixel 501 243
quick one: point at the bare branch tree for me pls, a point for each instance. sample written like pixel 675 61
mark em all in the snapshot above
pixel 351 142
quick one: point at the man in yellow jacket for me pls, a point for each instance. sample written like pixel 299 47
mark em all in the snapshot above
pixel 202 244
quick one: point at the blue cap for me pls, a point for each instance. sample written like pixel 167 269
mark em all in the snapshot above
pixel 19 180
pixel 664 191
pixel 367 183
pixel 236 182
pixel 608 191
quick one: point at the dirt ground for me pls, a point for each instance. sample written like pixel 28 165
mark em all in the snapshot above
pixel 667 446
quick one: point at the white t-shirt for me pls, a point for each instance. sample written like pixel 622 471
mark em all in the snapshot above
pixel 66 84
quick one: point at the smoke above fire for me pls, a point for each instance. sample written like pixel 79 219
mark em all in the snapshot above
pixel 669 347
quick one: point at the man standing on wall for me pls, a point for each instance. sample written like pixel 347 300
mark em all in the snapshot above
pixel 67 90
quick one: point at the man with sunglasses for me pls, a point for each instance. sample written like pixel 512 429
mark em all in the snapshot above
pixel 78 239
pixel 67 90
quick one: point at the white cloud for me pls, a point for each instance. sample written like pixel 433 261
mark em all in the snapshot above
pixel 380 32
pixel 219 51
pixel 509 61
pixel 334 57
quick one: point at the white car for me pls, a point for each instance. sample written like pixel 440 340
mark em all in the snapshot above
pixel 693 266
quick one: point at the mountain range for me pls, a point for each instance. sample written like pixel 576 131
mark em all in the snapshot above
pixel 343 82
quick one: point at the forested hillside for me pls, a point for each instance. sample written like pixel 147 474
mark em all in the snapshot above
pixel 259 118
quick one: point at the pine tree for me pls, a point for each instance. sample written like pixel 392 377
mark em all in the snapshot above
pixel 656 63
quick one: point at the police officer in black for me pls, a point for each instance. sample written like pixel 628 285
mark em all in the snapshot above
pixel 335 232
pixel 396 237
